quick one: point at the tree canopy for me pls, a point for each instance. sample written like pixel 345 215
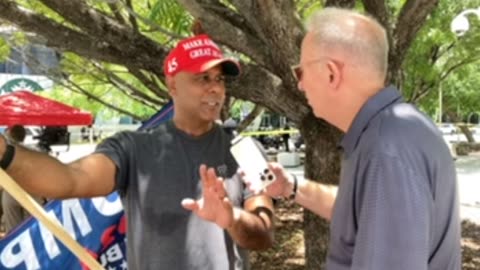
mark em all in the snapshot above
pixel 113 50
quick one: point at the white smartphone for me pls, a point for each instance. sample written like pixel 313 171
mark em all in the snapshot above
pixel 251 160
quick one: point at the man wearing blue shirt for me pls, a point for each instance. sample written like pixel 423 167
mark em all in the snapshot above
pixel 396 206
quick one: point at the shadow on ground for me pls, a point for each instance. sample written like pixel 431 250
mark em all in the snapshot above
pixel 288 252
pixel 470 245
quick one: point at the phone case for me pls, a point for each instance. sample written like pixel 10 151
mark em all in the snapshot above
pixel 251 160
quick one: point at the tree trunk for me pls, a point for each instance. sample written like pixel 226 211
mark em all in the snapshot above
pixel 322 163
pixel 468 134
pixel 268 32
pixel 463 128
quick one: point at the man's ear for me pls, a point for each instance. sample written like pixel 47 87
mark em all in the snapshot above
pixel 171 86
pixel 335 74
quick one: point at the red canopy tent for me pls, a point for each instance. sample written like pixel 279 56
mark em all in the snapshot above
pixel 26 108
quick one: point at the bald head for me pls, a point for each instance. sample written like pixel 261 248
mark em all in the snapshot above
pixel 359 38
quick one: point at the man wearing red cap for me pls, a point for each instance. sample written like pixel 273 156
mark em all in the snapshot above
pixel 179 214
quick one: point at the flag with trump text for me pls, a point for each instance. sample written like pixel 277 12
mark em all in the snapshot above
pixel 98 224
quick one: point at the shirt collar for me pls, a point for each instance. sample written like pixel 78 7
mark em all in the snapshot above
pixel 374 105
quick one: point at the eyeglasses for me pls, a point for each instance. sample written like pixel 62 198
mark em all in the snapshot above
pixel 297 70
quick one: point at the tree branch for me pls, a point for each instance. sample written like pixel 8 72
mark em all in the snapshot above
pixel 131 44
pixel 116 12
pixel 131 92
pixel 262 87
pixel 93 22
pixel 128 88
pixel 226 33
pixel 412 17
pixel 275 24
pixel 420 91
pixel 57 36
pixel 72 85
pixel 131 18
pixel 151 23
pixel 66 39
pixel 256 111
pixel 340 3
pixel 236 18
pixel 443 76
pixel 150 84
pixel 380 11
pixel 112 78
pixel 278 23
pixel 458 65
pixel 59 77
pixel 435 55
pixel 447 49
pixel 251 21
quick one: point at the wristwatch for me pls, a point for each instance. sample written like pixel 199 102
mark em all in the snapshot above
pixel 8 154
pixel 295 187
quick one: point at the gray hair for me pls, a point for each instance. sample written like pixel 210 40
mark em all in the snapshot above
pixel 365 45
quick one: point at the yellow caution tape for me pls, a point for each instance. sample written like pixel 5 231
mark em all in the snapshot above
pixel 269 132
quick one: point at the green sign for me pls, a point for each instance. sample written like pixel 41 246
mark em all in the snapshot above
pixel 19 85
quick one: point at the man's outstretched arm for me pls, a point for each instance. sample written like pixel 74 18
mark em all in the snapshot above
pixel 42 175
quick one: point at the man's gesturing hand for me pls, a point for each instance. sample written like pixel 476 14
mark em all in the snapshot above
pixel 214 205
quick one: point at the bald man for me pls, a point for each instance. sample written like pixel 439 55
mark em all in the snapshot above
pixel 396 206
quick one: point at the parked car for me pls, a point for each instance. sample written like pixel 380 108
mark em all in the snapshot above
pixel 32 134
pixel 447 128
pixel 475 129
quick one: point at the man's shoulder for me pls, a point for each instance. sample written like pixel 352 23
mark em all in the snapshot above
pixel 404 121
pixel 137 137
pixel 403 132
pixel 161 130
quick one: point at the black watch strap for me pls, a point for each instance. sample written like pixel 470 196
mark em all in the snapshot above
pixel 295 187
pixel 8 155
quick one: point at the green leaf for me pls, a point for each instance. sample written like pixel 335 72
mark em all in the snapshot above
pixel 4 49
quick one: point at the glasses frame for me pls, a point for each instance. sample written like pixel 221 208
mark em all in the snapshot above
pixel 297 70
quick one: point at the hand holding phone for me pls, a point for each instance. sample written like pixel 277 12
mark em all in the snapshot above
pixel 251 160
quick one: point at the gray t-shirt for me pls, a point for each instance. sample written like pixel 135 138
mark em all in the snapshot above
pixel 158 168
pixel 397 205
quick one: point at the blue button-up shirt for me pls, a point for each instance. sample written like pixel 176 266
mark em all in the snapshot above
pixel 397 205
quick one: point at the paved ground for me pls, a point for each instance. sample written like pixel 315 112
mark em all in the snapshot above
pixel 468 171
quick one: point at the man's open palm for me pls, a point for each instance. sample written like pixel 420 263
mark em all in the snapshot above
pixel 214 205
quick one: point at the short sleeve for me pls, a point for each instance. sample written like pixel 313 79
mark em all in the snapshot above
pixel 119 148
pixel 392 204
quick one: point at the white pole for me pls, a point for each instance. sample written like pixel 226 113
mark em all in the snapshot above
pixel 440 109
pixel 50 223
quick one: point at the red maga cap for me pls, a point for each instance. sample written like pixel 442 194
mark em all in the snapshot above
pixel 198 54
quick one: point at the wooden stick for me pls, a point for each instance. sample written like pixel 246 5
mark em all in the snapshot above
pixel 52 224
